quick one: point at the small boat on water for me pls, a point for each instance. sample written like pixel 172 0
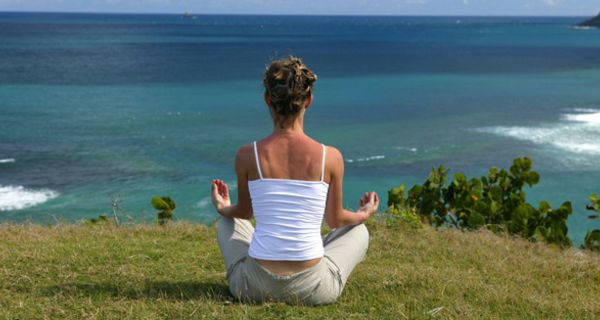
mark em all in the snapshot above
pixel 188 15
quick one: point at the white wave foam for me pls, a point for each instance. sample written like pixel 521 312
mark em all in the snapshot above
pixel 204 202
pixel 370 158
pixel 7 160
pixel 578 132
pixel 411 149
pixel 19 197
pixel 585 110
pixel 589 116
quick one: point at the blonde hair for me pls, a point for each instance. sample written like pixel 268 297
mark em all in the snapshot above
pixel 288 84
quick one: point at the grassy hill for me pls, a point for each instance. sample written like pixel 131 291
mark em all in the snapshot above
pixel 151 272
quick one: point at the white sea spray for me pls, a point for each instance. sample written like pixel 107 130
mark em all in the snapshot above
pixel 19 197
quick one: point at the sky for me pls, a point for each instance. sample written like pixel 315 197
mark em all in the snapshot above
pixel 321 7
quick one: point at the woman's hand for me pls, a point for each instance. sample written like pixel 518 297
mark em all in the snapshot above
pixel 220 195
pixel 369 203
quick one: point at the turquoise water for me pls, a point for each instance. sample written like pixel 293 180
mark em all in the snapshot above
pixel 101 106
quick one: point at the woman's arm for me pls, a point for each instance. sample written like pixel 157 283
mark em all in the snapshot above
pixel 220 190
pixel 335 215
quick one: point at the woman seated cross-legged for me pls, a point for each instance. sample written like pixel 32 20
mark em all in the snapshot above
pixel 289 183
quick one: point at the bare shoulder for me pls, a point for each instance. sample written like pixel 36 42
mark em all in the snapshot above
pixel 245 154
pixel 246 149
pixel 334 161
pixel 334 155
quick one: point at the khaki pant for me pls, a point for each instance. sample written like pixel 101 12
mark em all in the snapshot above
pixel 322 283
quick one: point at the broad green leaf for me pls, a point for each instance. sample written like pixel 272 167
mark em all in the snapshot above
pixel 159 204
pixel 545 207
pixel 476 220
pixel 169 202
pixel 396 196
pixel 592 240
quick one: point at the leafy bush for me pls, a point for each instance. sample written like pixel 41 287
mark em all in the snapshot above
pixel 594 206
pixel 395 212
pixel 166 207
pixel 101 220
pixel 592 238
pixel 496 201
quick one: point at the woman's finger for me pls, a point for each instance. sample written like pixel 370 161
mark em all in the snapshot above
pixel 222 188
pixel 215 191
pixel 225 189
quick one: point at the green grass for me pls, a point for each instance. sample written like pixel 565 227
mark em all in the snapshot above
pixel 151 272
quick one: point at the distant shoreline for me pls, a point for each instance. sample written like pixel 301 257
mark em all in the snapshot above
pixel 292 15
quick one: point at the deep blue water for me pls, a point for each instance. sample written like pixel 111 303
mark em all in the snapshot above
pixel 96 106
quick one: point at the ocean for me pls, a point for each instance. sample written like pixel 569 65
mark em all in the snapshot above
pixel 96 107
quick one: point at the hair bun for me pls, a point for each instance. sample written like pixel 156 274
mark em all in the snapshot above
pixel 288 84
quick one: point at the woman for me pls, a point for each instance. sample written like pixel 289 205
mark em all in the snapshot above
pixel 289 182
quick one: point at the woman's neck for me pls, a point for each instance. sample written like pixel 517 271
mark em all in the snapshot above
pixel 292 127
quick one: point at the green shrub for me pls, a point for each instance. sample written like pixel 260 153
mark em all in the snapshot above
pixel 408 216
pixel 166 207
pixel 496 201
pixel 592 238
pixel 101 220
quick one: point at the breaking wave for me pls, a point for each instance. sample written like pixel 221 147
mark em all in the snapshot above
pixel 369 158
pixel 577 132
pixel 19 197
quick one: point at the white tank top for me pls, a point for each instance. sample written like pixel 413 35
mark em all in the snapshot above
pixel 289 214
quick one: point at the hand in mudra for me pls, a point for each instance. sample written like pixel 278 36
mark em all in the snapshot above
pixel 369 203
pixel 220 195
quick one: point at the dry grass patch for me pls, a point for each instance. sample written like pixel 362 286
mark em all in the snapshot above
pixel 145 271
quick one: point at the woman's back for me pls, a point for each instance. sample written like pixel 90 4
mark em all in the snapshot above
pixel 294 157
pixel 289 212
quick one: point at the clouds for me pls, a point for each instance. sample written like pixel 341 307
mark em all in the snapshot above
pixel 416 2
pixel 550 3
pixel 352 7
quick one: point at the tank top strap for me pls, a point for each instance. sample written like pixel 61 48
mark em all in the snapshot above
pixel 323 164
pixel 257 163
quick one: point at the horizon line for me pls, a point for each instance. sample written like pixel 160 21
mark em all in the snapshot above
pixel 309 15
